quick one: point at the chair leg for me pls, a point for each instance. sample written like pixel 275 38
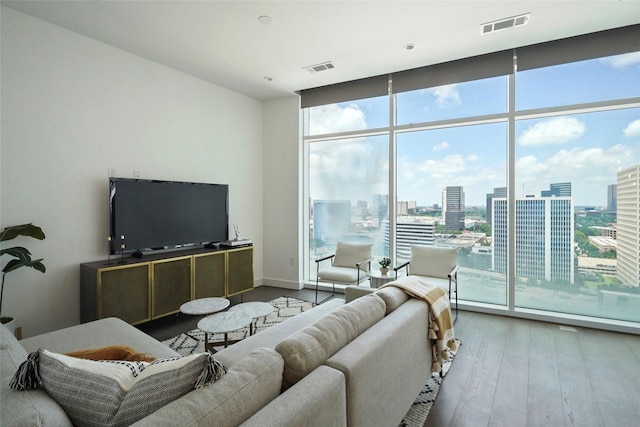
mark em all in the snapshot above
pixel 455 319
pixel 333 294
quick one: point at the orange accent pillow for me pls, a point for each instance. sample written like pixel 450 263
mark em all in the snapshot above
pixel 113 352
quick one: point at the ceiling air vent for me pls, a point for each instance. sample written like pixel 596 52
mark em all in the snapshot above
pixel 503 24
pixel 320 67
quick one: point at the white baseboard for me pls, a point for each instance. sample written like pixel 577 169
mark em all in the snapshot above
pixel 284 284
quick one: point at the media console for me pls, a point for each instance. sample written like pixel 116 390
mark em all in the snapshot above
pixel 140 290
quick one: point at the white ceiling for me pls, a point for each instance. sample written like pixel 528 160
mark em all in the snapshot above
pixel 223 42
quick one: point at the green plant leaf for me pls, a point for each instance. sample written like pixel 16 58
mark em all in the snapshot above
pixel 19 252
pixel 38 266
pixel 28 230
pixel 14 264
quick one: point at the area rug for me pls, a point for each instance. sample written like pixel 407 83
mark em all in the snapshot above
pixel 193 341
pixel 286 307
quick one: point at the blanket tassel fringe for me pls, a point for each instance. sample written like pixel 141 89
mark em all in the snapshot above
pixel 27 376
pixel 212 371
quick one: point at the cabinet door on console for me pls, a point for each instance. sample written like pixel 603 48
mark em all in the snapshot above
pixel 171 285
pixel 209 275
pixel 124 292
pixel 240 270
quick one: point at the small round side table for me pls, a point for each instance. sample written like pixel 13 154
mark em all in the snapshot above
pixel 377 279
pixel 255 310
pixel 222 323
pixel 202 306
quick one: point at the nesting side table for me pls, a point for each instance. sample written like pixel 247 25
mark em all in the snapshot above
pixel 255 310
pixel 223 323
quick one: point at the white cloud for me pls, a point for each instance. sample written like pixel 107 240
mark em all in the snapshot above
pixel 446 96
pixel 446 167
pixel 588 163
pixel 472 158
pixel 623 61
pixel 442 146
pixel 333 118
pixel 632 129
pixel 558 130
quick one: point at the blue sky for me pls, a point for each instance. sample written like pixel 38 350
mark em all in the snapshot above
pixel 585 149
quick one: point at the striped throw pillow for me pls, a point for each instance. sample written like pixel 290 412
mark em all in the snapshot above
pixel 114 393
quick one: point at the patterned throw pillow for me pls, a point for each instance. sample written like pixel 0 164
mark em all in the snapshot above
pixel 114 393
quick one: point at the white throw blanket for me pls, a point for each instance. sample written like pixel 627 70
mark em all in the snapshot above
pixel 440 320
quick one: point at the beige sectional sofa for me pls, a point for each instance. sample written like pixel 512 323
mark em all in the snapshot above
pixel 360 363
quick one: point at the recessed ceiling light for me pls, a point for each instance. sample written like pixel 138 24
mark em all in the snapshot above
pixel 265 19
pixel 409 46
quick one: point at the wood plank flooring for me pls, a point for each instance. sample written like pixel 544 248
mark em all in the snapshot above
pixel 513 372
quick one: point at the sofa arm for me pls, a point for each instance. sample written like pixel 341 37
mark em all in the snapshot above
pixel 354 292
pixel 317 400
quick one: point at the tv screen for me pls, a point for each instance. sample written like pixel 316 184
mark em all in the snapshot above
pixel 154 215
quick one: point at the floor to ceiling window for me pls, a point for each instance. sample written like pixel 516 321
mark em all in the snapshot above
pixel 571 145
pixel 533 175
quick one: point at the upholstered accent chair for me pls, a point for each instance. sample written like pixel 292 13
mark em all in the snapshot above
pixel 437 265
pixel 349 265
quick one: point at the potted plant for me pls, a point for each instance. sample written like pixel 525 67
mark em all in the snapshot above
pixel 384 265
pixel 21 257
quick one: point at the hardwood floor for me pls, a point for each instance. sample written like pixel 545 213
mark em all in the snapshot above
pixel 513 372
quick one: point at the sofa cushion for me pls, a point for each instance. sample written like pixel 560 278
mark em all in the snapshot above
pixel 250 384
pixel 393 298
pixel 98 333
pixel 33 408
pixel 312 346
pixel 271 336
pixel 323 392
pixel 114 393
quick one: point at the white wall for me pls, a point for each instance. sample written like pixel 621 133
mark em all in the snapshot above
pixel 282 216
pixel 71 109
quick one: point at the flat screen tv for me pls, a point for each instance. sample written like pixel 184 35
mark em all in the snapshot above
pixel 155 215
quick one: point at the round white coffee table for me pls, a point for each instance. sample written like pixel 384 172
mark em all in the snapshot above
pixel 222 323
pixel 202 306
pixel 377 279
pixel 255 310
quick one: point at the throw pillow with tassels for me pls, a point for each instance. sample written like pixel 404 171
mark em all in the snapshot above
pixel 114 393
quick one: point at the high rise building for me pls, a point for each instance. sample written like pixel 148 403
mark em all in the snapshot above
pixel 497 192
pixel 406 208
pixel 612 198
pixel 410 231
pixel 380 209
pixel 628 230
pixel 453 208
pixel 544 238
pixel 331 219
pixel 562 189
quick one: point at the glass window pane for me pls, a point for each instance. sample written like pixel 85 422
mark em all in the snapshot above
pixel 349 193
pixel 475 98
pixel 445 178
pixel 614 77
pixel 574 175
pixel 355 115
